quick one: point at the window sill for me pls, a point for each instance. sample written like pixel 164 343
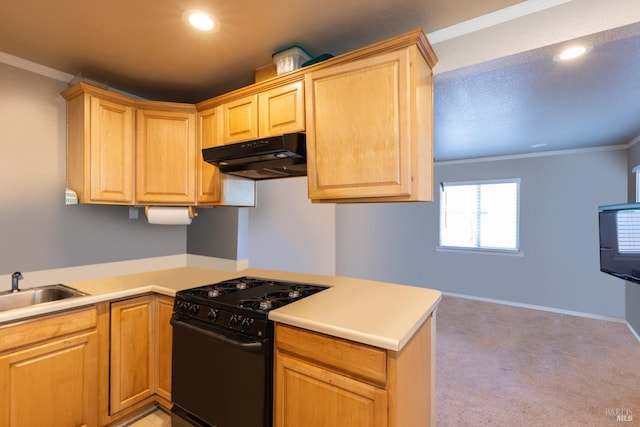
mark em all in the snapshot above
pixel 506 252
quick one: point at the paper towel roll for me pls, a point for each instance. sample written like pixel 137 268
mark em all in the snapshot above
pixel 169 215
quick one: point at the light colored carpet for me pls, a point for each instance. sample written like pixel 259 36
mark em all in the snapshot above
pixel 501 365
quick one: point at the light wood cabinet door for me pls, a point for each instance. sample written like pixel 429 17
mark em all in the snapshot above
pixel 166 155
pixel 240 119
pixel 272 112
pixel 281 110
pixel 369 133
pixel 322 380
pixel 214 187
pixel 210 177
pixel 164 339
pixel 51 384
pixel 309 395
pixel 100 147
pixel 112 150
pixel 133 375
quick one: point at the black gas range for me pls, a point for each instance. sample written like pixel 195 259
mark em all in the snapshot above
pixel 223 350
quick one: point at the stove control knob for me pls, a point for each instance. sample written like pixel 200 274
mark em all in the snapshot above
pixel 193 310
pixel 212 315
pixel 183 307
pixel 233 322
pixel 246 324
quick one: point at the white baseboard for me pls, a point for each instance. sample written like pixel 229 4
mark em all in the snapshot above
pixel 539 307
pixel 549 309
pixel 633 331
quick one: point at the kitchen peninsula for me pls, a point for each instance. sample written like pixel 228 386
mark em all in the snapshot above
pixel 369 343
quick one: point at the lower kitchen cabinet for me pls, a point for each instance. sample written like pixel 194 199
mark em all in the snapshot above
pixel 323 381
pixel 164 339
pixel 86 367
pixel 136 360
pixel 310 395
pixel 48 371
pixel 133 376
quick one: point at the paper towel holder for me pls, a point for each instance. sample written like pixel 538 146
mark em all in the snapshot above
pixel 192 211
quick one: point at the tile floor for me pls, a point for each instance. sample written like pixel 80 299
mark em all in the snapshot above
pixel 156 418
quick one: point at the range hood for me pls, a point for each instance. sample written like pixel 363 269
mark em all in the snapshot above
pixel 268 158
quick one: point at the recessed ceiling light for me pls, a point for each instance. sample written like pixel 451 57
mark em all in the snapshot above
pixel 572 53
pixel 199 20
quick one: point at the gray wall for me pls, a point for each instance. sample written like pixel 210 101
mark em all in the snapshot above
pixel 559 267
pixel 287 232
pixel 37 230
pixel 219 232
pixel 393 242
pixel 558 236
pixel 632 289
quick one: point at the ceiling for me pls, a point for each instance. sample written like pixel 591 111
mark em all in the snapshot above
pixel 529 103
pixel 497 90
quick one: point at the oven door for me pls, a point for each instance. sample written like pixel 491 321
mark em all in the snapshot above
pixel 222 378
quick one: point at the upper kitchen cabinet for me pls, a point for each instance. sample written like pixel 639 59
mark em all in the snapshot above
pixel 100 145
pixel 165 153
pixel 240 119
pixel 210 177
pixel 370 124
pixel 215 188
pixel 269 112
pixel 281 110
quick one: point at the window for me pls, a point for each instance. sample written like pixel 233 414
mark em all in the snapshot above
pixel 636 171
pixel 628 231
pixel 480 215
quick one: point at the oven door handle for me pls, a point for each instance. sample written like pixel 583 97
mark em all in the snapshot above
pixel 253 346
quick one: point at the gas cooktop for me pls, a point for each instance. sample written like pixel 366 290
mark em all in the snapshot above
pixel 240 304
pixel 252 293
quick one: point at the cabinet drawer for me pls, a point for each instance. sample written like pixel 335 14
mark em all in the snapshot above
pixel 44 328
pixel 357 360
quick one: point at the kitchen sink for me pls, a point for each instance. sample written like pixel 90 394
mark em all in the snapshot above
pixel 33 296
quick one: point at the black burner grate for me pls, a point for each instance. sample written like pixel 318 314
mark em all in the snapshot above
pixel 250 294
pixel 278 298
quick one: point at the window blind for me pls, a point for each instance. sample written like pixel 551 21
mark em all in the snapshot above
pixel 481 214
pixel 628 229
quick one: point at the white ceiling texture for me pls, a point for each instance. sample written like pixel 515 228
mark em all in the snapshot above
pixel 497 89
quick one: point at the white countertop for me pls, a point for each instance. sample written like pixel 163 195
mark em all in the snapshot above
pixel 376 313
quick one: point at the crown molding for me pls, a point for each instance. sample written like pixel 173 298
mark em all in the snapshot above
pixel 27 65
pixel 494 18
pixel 530 155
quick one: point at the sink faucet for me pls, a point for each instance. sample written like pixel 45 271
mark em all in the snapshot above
pixel 14 281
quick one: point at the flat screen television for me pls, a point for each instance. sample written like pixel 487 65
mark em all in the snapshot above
pixel 620 240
